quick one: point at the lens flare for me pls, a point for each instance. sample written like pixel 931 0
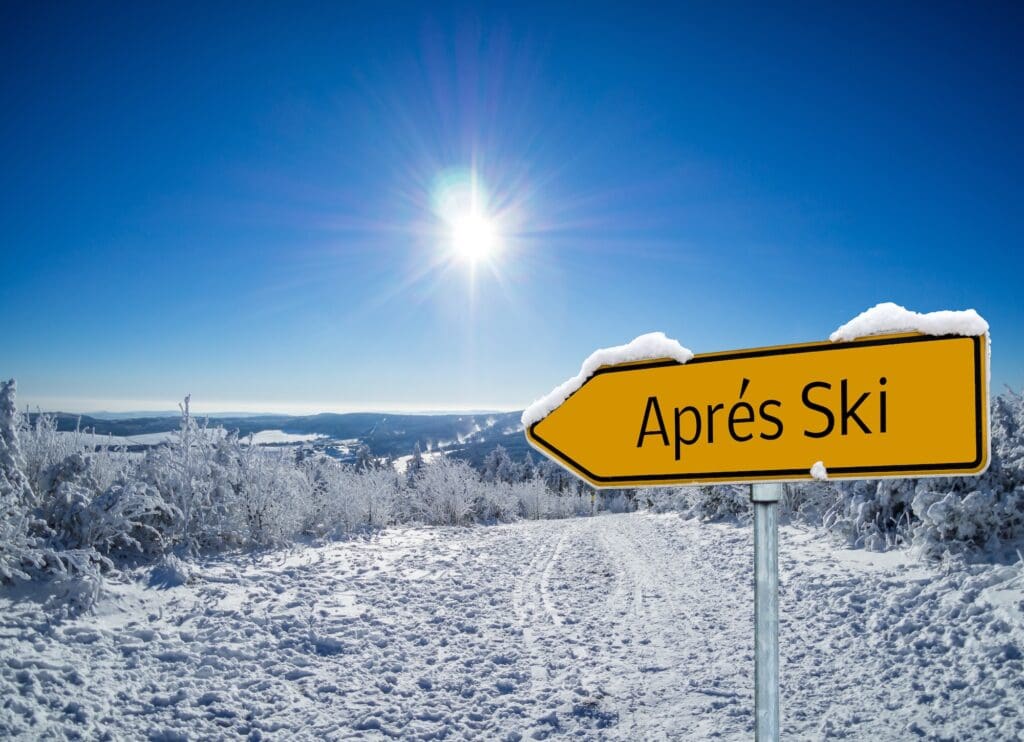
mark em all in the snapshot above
pixel 474 237
pixel 469 232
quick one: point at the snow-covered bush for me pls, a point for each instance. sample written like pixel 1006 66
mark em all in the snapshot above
pixel 872 514
pixel 350 499
pixel 25 548
pixel 499 501
pixel 171 571
pixel 703 503
pixel 537 501
pixel 446 492
pixel 273 495
pixel 127 518
pixel 18 547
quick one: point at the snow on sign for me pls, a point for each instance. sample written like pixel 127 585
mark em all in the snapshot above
pixel 906 404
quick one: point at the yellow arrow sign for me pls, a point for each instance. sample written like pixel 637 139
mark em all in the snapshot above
pixel 885 406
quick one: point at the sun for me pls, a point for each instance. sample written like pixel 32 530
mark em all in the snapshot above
pixel 474 237
pixel 471 232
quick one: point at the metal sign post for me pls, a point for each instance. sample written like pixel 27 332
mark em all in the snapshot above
pixel 765 498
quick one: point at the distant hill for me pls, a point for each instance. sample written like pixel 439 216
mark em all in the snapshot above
pixel 469 435
pixel 135 414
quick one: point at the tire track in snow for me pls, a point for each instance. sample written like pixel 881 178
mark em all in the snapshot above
pixel 525 602
pixel 544 584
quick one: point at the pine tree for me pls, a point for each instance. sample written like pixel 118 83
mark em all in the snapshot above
pixel 364 459
pixel 415 463
pixel 498 466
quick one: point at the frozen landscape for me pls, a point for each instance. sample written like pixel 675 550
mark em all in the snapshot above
pixel 631 626
pixel 327 424
pixel 206 587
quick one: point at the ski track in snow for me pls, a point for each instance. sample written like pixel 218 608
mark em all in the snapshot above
pixel 614 627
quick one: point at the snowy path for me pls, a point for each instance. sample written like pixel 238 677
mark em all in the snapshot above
pixel 615 627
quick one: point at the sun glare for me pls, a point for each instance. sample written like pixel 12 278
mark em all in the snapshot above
pixel 474 237
pixel 470 232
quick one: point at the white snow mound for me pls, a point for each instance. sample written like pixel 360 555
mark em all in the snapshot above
pixel 649 346
pixel 819 472
pixel 890 317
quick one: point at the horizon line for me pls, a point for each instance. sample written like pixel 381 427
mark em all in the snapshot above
pixel 151 408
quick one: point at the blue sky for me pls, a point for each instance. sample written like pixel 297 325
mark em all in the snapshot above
pixel 243 206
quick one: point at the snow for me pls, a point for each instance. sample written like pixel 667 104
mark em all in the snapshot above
pixel 818 471
pixel 613 627
pixel 97 439
pixel 402 462
pixel 650 346
pixel 889 317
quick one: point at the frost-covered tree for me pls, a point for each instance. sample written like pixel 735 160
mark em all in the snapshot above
pixel 498 466
pixel 364 458
pixel 529 470
pixel 415 465
pixel 446 492
pixel 13 482
pixel 17 546
pixel 274 497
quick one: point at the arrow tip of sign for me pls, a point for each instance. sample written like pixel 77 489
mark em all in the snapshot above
pixel 653 345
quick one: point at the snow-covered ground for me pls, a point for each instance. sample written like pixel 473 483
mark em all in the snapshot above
pixel 96 439
pixel 265 437
pixel 402 462
pixel 613 627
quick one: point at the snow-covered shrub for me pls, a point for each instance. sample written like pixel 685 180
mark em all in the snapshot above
pixel 186 471
pixel 320 471
pixel 360 498
pixel 669 499
pixel 872 514
pixel 44 449
pixel 273 495
pixel 704 503
pixel 19 549
pixel 616 502
pixel 24 549
pixel 130 518
pixel 537 501
pixel 375 495
pixel 446 492
pixel 976 518
pixel 171 571
pixel 499 501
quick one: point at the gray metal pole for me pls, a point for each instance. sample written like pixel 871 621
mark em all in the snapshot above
pixel 765 498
